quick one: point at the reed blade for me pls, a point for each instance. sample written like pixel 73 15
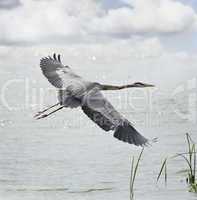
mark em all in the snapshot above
pixel 162 168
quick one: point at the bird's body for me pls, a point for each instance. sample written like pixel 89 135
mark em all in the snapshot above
pixel 74 91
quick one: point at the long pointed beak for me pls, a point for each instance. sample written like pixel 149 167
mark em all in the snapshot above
pixel 139 84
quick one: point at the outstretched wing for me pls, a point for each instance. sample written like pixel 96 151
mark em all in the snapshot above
pixel 56 73
pixel 100 110
pixel 97 117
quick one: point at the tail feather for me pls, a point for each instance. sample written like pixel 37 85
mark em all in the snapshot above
pixel 127 133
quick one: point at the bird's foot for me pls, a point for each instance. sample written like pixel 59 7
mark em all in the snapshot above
pixel 154 140
pixel 37 114
pixel 42 116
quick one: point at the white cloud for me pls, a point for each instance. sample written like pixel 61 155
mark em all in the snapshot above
pixel 68 21
pixel 9 4
pixel 146 16
pixel 135 59
pixel 108 53
pixel 45 21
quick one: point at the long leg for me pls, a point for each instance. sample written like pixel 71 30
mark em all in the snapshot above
pixel 40 112
pixel 46 115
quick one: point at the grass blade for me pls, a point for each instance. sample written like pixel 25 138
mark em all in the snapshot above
pixel 131 178
pixel 166 173
pixel 134 173
pixel 162 168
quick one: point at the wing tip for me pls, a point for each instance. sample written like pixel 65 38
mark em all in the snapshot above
pixel 127 133
pixel 53 58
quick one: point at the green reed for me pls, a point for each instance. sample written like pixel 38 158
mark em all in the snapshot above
pixel 134 169
pixel 163 170
pixel 190 159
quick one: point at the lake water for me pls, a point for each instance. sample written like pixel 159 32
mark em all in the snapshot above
pixel 67 157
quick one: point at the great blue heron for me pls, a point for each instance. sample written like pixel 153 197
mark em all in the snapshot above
pixel 74 91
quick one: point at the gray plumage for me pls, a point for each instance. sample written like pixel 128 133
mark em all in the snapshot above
pixel 74 91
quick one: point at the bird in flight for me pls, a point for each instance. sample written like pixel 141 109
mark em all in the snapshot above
pixel 74 91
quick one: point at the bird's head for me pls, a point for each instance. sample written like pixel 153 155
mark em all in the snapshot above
pixel 142 85
pixel 96 84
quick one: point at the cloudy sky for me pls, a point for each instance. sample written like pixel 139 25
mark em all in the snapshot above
pixel 149 40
